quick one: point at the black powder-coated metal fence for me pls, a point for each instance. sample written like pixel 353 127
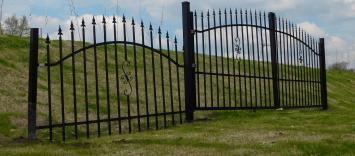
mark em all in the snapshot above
pixel 254 61
pixel 232 60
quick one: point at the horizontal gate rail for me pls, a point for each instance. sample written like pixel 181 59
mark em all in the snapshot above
pixel 107 120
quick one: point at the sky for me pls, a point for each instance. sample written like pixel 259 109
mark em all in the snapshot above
pixel 332 19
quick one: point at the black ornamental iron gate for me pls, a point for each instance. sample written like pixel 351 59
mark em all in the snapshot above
pixel 232 60
pixel 249 60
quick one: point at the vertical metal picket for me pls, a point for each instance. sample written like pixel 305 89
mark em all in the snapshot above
pixel 62 98
pixel 74 81
pixel 50 123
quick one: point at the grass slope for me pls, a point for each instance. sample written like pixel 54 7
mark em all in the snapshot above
pixel 288 132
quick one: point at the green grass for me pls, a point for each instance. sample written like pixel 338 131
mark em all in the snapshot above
pixel 269 132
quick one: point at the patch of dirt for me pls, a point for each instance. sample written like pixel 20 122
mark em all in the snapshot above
pixel 78 144
pixel 121 141
pixel 202 120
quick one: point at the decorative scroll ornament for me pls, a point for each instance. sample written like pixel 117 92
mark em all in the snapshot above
pixel 126 79
pixel 236 48
pixel 300 59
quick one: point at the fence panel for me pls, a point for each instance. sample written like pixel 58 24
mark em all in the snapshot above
pixel 111 86
pixel 249 60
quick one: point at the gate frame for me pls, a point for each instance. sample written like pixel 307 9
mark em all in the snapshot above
pixel 274 59
pixel 32 84
pixel 189 61
pixel 323 74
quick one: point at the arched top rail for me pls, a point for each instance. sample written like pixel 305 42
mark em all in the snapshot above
pixel 110 43
pixel 205 22
pixel 261 27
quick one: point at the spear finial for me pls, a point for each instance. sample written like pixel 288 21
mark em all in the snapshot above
pixel 60 31
pixel 103 19
pixel 82 23
pixel 114 20
pixel 133 23
pixel 150 27
pixel 124 19
pixel 71 26
pixel 47 39
pixel 93 20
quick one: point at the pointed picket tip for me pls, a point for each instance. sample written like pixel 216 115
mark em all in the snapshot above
pixel 71 26
pixel 47 39
pixel 255 13
pixel 195 13
pixel 292 26
pixel 133 23
pixel 208 13
pixel 150 27
pixel 167 34
pixel 142 24
pixel 230 11
pixel 93 20
pixel 175 40
pixel 290 23
pixel 83 23
pixel 201 14
pixel 114 19
pixel 213 12
pixel 225 11
pixel 60 31
pixel 103 19
pixel 124 19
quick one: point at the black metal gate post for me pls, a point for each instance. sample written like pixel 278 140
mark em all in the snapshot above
pixel 189 61
pixel 32 84
pixel 323 79
pixel 274 58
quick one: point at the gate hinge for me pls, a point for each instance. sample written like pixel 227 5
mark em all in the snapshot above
pixel 193 32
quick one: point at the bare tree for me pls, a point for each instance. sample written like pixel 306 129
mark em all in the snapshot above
pixel 16 27
pixel 23 26
pixel 11 25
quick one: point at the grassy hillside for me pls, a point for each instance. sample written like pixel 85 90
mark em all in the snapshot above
pixel 289 132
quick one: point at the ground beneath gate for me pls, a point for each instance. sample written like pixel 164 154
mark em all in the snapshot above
pixel 269 132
